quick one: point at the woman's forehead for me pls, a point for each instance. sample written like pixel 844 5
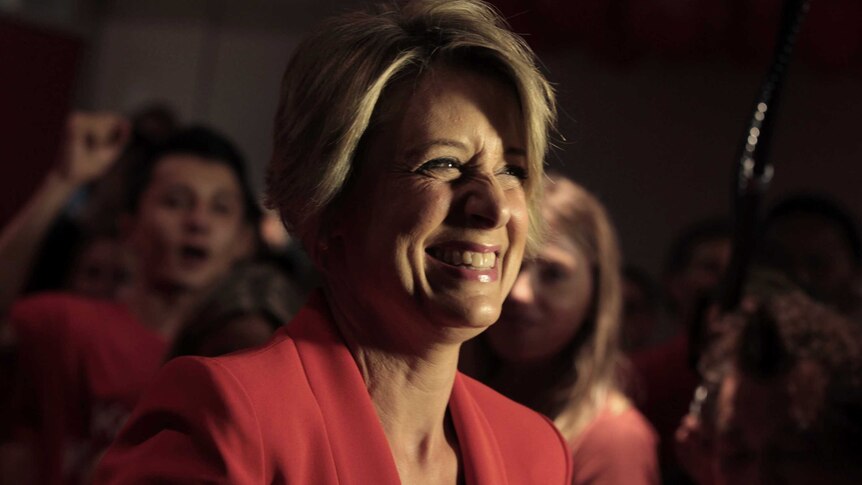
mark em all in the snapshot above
pixel 441 100
pixel 418 90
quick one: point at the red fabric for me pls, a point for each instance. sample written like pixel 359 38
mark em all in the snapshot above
pixel 616 448
pixel 297 411
pixel 668 385
pixel 82 364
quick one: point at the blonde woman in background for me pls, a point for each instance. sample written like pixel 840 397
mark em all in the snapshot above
pixel 556 345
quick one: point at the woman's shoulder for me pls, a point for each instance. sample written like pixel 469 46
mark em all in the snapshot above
pixel 257 370
pixel 206 414
pixel 619 424
pixel 618 446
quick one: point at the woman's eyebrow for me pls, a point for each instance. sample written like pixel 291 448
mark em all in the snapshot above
pixel 445 142
pixel 422 147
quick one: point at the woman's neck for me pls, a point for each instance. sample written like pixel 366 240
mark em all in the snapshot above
pixel 410 386
pixel 411 394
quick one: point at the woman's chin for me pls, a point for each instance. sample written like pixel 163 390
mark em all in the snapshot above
pixel 476 315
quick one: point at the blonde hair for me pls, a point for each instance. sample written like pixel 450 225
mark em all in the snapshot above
pixel 572 212
pixel 337 77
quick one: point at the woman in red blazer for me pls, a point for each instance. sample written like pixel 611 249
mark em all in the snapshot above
pixel 408 159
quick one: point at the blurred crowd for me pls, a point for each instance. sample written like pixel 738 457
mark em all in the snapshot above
pixel 146 242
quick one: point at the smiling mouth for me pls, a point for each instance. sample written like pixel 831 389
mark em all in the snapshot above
pixel 464 259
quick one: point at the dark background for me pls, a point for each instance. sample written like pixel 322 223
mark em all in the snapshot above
pixel 654 94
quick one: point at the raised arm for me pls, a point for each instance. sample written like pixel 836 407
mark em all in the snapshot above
pixel 93 141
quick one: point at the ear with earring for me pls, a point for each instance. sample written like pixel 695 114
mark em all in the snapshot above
pixel 323 252
pixel 330 235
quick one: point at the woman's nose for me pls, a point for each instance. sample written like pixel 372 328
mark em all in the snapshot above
pixel 486 205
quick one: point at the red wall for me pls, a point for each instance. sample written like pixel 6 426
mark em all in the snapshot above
pixel 38 74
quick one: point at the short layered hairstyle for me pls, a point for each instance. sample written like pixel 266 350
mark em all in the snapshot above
pixel 346 67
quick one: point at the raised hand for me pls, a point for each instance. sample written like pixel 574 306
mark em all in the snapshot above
pixel 92 143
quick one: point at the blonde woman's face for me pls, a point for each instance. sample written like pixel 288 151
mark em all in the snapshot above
pixel 435 225
pixel 547 306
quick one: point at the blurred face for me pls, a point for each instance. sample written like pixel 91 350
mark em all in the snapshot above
pixel 816 255
pixel 706 268
pixel 434 227
pixel 100 269
pixel 547 306
pixel 639 316
pixel 189 228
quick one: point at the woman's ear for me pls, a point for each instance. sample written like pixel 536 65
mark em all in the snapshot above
pixel 332 232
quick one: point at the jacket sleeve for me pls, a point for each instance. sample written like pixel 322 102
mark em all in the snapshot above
pixel 195 424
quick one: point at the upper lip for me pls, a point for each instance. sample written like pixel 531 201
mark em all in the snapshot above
pixel 467 246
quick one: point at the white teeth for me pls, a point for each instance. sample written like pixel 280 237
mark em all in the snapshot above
pixel 490 260
pixel 470 259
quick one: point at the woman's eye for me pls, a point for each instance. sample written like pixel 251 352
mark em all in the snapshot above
pixel 440 164
pixel 516 171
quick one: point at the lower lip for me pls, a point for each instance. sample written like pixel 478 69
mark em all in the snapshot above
pixel 480 275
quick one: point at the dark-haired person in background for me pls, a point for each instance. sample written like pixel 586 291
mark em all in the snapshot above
pixel 73 243
pixel 641 309
pixel 665 375
pixel 695 266
pixel 816 241
pixel 82 362
pixel 243 311
pixel 781 400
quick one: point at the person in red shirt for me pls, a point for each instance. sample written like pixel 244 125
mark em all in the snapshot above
pixel 82 362
pixel 665 376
